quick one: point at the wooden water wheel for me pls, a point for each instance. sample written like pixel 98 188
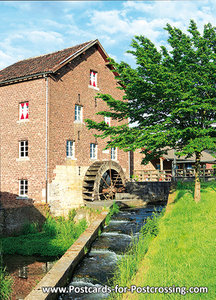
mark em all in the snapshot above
pixel 103 180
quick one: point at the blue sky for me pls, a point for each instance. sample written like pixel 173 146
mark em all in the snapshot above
pixel 29 29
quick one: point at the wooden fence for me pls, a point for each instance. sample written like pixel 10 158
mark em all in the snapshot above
pixel 166 175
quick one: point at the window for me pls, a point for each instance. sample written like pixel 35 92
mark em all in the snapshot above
pixel 93 78
pixel 93 151
pixel 23 188
pixel 23 111
pixel 188 166
pixel 114 153
pixel 23 149
pixel 78 113
pixel 70 149
pixel 107 120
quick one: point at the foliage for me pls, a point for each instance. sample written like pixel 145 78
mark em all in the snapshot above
pixel 183 254
pixel 29 228
pixel 5 283
pixel 171 96
pixel 113 210
pixel 57 235
pixel 129 264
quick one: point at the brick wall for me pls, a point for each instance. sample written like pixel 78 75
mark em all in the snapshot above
pixel 71 87
pixel 12 131
pixel 64 95
pixel 65 176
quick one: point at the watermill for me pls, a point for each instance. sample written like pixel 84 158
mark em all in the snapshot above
pixel 103 180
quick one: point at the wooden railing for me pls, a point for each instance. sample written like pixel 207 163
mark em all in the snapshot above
pixel 166 175
pixel 152 175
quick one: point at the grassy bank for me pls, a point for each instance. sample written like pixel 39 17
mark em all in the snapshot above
pixel 183 254
pixel 55 237
pixel 5 284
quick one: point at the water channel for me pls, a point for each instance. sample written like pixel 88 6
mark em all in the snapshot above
pixel 97 267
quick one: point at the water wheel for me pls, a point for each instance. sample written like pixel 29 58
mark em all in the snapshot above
pixel 103 180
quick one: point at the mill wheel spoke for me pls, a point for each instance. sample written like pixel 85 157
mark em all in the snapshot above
pixel 105 181
pixel 116 180
pixel 110 174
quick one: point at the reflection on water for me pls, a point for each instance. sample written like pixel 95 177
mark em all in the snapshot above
pixel 26 272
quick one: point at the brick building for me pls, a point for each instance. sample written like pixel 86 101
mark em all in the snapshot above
pixel 46 150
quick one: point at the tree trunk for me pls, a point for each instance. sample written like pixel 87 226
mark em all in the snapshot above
pixel 197 195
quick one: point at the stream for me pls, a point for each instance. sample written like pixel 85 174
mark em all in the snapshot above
pixel 96 269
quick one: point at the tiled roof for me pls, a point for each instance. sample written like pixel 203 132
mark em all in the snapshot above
pixel 40 64
pixel 205 157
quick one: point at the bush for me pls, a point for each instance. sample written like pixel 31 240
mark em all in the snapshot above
pixel 29 228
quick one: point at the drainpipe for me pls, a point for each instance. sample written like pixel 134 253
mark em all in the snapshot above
pixel 129 169
pixel 0 155
pixel 46 146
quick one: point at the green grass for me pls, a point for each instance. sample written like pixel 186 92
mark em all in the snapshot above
pixel 56 236
pixel 183 254
pixel 5 284
pixel 113 210
pixel 129 264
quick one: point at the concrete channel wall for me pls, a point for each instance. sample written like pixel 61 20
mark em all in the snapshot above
pixel 62 270
pixel 138 193
pixel 146 191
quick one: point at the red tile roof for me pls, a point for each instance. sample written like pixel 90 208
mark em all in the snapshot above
pixel 41 64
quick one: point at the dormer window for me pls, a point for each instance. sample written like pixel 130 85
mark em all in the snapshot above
pixel 93 78
pixel 23 111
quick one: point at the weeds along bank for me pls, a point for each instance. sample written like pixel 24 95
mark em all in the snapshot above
pixel 52 239
pixel 5 284
pixel 182 254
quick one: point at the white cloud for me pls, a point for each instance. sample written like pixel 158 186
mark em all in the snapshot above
pixel 48 37
pixel 108 21
pixel 5 59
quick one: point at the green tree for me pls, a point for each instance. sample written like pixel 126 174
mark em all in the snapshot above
pixel 170 95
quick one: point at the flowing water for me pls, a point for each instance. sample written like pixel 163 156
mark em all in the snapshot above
pixel 96 269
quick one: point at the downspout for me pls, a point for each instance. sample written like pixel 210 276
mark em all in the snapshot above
pixel 129 165
pixel 0 154
pixel 46 146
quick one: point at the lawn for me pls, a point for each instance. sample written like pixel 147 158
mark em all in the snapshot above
pixel 183 253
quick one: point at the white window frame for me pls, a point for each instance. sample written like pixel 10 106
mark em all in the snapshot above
pixel 70 149
pixel 107 120
pixel 93 78
pixel 78 113
pixel 21 111
pixel 23 149
pixel 113 153
pixel 93 151
pixel 23 188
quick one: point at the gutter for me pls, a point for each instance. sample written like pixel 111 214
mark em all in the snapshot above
pixel 25 77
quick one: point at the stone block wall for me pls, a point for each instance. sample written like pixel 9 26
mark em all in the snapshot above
pixel 149 191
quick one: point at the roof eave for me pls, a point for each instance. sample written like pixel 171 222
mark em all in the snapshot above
pixel 23 78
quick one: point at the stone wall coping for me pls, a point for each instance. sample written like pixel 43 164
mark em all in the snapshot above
pixel 62 270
